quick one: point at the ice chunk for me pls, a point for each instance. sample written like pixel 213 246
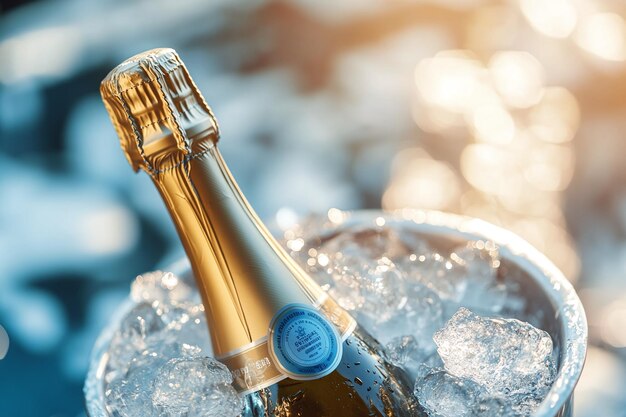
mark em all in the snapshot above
pixel 479 258
pixel 373 287
pixel 365 279
pixel 164 334
pixel 186 322
pixel 445 395
pixel 383 301
pixel 468 277
pixel 430 363
pixel 409 354
pixel 197 386
pixel 130 396
pixel 480 262
pixel 419 313
pixel 507 356
pixel 140 323
pixel 165 330
pixel 125 398
pixel 495 407
pixel 526 406
pixel 405 352
pixel 438 273
pixel 138 327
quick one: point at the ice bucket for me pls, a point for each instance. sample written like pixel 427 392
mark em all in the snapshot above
pixel 550 299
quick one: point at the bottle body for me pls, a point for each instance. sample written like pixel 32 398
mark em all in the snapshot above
pixel 364 384
pixel 290 348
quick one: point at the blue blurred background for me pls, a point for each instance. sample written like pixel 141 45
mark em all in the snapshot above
pixel 513 111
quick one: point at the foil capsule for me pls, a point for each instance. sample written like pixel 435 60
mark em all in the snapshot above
pixel 157 110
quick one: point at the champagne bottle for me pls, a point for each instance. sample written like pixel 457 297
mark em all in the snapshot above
pixel 291 349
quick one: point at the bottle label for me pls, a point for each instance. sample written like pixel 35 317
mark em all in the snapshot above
pixel 304 343
pixel 255 366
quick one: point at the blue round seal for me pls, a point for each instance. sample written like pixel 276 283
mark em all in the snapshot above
pixel 303 343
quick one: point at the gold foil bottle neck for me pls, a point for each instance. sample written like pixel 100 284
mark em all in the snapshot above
pixel 244 275
pixel 157 110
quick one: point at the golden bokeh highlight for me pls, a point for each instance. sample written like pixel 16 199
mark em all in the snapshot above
pixel 604 35
pixel 513 131
pixel 518 77
pixel 554 18
pixel 420 181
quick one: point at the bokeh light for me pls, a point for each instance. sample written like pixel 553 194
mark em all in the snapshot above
pixel 555 18
pixel 604 35
pixel 518 77
pixel 556 117
pixel 493 124
pixel 418 180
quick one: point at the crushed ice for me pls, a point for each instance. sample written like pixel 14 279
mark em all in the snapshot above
pixel 433 312
pixel 440 317
pixel 160 360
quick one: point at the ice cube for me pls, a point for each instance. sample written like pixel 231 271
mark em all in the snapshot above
pixel 438 273
pixel 158 324
pixel 365 280
pixel 140 323
pixel 419 313
pixel 136 329
pixel 509 357
pixel 479 258
pixel 123 398
pixel 495 407
pixel 198 386
pixel 422 314
pixel 445 395
pixel 405 352
pixel 373 287
pixel 130 395
pixel 483 291
pixel 431 362
pixel 187 324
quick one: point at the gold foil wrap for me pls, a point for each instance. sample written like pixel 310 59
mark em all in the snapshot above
pixel 156 108
pixel 244 275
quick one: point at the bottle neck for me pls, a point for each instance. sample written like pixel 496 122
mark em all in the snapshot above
pixel 243 274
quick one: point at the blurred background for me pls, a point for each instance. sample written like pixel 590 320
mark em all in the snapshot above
pixel 513 111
